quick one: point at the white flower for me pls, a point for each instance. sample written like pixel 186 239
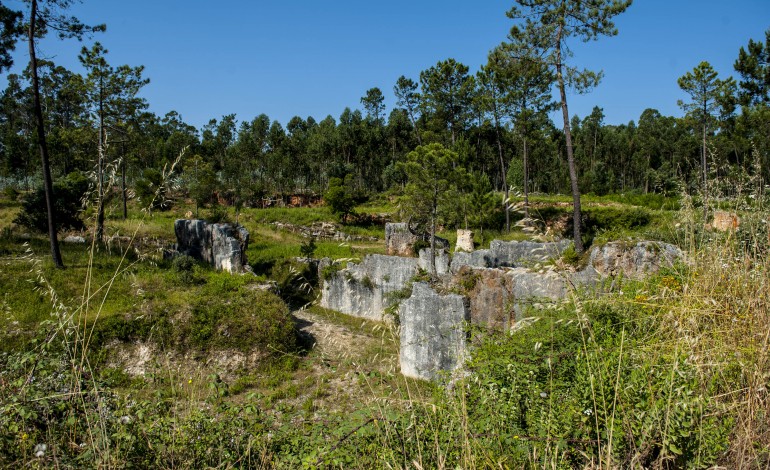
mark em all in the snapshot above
pixel 588 412
pixel 40 450
pixel 125 419
pixel 543 395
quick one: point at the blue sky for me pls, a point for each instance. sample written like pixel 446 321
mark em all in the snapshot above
pixel 313 58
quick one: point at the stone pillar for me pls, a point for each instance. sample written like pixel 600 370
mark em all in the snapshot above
pixel 433 339
pixel 464 240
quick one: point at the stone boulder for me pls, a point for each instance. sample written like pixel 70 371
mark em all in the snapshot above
pixel 223 246
pixel 633 259
pixel 433 336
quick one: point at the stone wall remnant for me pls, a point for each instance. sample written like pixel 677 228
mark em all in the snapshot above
pixel 223 246
pixel 433 333
pixel 363 289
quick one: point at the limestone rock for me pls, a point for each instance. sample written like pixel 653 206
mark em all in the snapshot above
pixel 362 289
pixel 513 253
pixel 398 240
pixel 223 246
pixel 476 259
pixel 74 239
pixel 433 338
pixel 464 240
pixel 442 261
pixel 490 292
pixel 509 254
pixel 633 259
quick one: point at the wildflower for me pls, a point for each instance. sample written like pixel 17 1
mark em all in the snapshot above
pixel 40 450
pixel 24 436
pixel 588 412
pixel 189 381
pixel 543 395
pixel 125 419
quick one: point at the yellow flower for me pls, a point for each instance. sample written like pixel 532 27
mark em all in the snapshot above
pixel 189 381
pixel 24 436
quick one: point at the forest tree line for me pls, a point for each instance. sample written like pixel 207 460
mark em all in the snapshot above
pixel 486 118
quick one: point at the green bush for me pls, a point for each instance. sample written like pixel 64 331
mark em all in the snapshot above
pixel 68 196
pixel 244 320
pixel 339 198
pixel 184 267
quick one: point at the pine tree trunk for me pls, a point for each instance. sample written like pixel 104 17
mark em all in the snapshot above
pixel 506 201
pixel 526 179
pixel 100 170
pixel 47 180
pixel 576 215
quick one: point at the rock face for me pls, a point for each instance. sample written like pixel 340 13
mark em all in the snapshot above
pixel 512 254
pixel 497 286
pixel 362 289
pixel 509 254
pixel 490 292
pixel 464 240
pixel 433 335
pixel 398 240
pixel 633 260
pixel 221 245
pixel 442 261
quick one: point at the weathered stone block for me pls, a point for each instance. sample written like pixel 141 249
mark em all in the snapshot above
pixel 399 241
pixel 433 337
pixel 442 261
pixel 490 292
pixel 633 259
pixel 464 240
pixel 513 253
pixel 362 289
pixel 223 246
pixel 476 259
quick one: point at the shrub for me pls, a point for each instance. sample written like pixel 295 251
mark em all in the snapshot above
pixel 68 193
pixel 184 266
pixel 307 249
pixel 246 319
pixel 10 193
pixel 339 198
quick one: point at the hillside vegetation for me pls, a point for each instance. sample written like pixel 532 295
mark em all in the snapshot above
pixel 124 359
